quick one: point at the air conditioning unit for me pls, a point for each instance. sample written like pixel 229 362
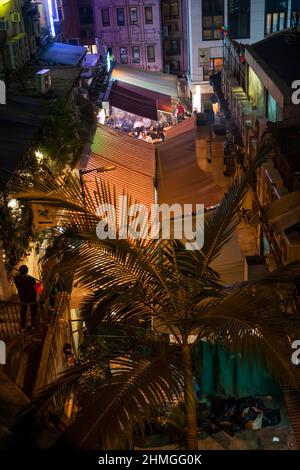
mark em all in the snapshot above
pixel 3 25
pixel 15 17
pixel 43 80
pixel 17 52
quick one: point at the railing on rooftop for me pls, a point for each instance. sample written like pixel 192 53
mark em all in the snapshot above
pixel 59 333
pixel 9 320
pixel 232 59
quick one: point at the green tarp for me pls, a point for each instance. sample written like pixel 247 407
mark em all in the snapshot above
pixel 220 373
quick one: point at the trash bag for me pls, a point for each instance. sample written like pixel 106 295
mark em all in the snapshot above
pixel 271 417
pixel 252 418
pixel 249 414
pixel 230 407
pixel 248 402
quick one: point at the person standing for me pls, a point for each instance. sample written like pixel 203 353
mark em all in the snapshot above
pixel 25 285
pixel 180 112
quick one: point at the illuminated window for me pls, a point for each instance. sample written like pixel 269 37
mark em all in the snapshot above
pixel 148 15
pixel 274 112
pixel 136 54
pixel 151 53
pixel 105 17
pixel 255 91
pixel 276 15
pixel 124 55
pixel 133 16
pixel 215 66
pixel 120 16
pixel 212 19
pixel 170 9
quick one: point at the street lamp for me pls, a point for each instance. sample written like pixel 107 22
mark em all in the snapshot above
pixel 101 169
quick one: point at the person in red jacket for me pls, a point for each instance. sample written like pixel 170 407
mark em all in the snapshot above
pixel 25 285
pixel 180 112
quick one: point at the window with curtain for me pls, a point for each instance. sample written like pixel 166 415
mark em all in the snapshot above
pixel 276 15
pixel 170 9
pixel 124 55
pixel 105 17
pixel 239 19
pixel 212 19
pixel 120 16
pixel 274 112
pixel 271 108
pixel 133 15
pixel 295 12
pixel 136 54
pixel 148 15
pixel 255 91
pixel 151 53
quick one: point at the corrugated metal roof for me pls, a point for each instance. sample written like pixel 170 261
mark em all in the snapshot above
pixel 155 81
pixel 61 53
pixel 123 149
pixel 134 161
pixel 180 180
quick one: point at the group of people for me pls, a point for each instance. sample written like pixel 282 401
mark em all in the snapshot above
pixel 153 135
pixel 143 128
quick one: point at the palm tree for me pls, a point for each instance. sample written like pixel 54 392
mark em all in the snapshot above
pixel 176 291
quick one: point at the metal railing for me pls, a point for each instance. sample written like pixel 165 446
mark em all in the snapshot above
pixel 52 359
pixel 9 320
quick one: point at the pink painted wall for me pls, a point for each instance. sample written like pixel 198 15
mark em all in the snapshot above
pixel 128 36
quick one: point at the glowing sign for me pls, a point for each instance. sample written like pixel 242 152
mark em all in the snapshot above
pixel 51 18
pixel 2 92
pixel 108 61
pixel 2 352
pixel 55 15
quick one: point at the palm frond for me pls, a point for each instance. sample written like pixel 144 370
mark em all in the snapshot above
pixel 220 224
pixel 256 325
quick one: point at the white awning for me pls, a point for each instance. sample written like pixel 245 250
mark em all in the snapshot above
pixel 159 82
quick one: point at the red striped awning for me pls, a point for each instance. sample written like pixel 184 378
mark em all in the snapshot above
pixel 130 100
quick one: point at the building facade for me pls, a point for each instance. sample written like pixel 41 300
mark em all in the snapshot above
pixel 130 31
pixel 25 27
pixel 174 35
pixel 246 21
pixel 264 105
pixel 79 29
